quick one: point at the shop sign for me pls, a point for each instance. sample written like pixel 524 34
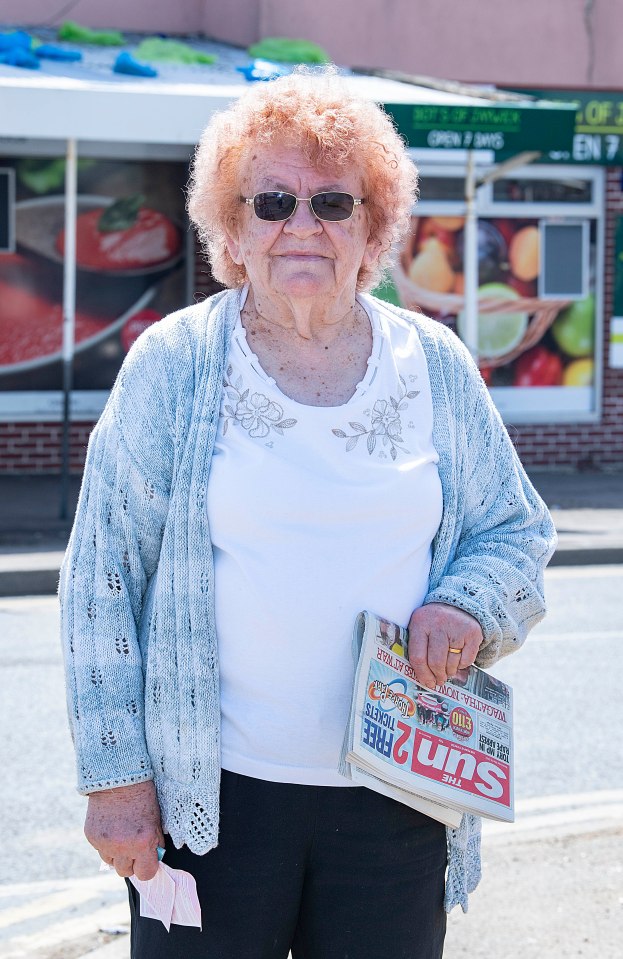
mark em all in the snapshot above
pixel 504 129
pixel 598 135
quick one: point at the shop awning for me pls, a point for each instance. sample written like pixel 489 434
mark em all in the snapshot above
pixel 87 101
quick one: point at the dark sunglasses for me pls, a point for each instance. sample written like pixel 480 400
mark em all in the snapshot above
pixel 275 206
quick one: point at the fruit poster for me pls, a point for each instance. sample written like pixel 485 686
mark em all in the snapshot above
pixel 525 344
pixel 131 238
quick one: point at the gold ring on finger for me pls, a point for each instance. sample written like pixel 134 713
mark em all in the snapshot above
pixel 453 650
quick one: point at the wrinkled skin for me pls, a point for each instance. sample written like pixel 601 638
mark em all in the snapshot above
pixel 434 630
pixel 123 824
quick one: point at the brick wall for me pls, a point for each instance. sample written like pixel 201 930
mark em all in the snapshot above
pixel 35 447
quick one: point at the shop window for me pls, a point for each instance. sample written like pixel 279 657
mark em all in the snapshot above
pixel 528 190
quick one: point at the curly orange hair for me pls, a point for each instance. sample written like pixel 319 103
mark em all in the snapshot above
pixel 316 111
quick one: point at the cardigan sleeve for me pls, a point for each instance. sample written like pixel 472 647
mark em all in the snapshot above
pixel 112 555
pixel 506 537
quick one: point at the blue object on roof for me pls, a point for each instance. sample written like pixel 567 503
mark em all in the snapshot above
pixel 17 39
pixel 48 51
pixel 19 57
pixel 125 63
pixel 264 70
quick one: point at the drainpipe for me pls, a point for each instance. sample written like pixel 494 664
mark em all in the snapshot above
pixel 69 313
pixel 470 258
pixel 589 9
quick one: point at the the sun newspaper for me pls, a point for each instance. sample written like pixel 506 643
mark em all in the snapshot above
pixel 444 751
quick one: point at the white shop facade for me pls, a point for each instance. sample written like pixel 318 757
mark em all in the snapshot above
pixel 76 149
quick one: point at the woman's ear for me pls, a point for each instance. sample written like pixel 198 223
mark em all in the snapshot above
pixel 232 242
pixel 373 250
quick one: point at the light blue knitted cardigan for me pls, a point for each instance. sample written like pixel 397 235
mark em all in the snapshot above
pixel 137 581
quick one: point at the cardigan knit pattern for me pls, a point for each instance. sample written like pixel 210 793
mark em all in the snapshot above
pixel 137 580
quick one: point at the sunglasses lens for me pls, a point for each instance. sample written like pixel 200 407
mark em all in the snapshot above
pixel 333 206
pixel 274 206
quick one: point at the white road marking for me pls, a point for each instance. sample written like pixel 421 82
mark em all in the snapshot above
pixel 559 816
pixel 65 931
pixel 100 883
pixel 584 572
pixel 49 914
pixel 563 800
pixel 607 634
pixel 26 604
pixel 56 902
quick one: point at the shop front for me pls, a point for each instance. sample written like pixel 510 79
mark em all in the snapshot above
pixel 136 259
pixel 542 358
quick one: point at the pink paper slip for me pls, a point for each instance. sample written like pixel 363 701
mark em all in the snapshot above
pixel 157 896
pixel 171 896
pixel 186 908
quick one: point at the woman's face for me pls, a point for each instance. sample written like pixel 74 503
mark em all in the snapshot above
pixel 300 257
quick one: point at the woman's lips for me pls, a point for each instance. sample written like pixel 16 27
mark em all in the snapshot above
pixel 302 256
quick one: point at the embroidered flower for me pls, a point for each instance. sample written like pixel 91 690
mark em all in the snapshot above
pixel 385 425
pixel 385 419
pixel 256 413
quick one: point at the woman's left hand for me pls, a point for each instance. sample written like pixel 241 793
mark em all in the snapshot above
pixel 442 640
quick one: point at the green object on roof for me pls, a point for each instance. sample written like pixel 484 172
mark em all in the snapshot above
pixel 170 51
pixel 74 33
pixel 287 50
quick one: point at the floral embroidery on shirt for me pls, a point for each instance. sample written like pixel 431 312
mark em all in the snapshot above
pixel 253 411
pixel 385 425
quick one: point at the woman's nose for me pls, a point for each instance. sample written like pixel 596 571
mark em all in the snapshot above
pixel 303 221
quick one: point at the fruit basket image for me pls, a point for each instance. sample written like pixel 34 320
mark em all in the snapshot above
pixel 511 318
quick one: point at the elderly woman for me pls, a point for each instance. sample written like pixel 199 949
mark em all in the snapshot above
pixel 270 462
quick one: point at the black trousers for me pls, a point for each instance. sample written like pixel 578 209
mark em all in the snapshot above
pixel 326 872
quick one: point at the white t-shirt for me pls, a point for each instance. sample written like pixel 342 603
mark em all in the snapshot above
pixel 315 514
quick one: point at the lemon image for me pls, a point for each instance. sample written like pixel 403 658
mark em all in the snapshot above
pixel 579 373
pixel 498 333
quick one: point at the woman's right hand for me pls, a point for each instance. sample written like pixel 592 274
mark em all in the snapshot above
pixel 123 824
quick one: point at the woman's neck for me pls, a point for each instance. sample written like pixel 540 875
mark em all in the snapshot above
pixel 321 370
pixel 312 319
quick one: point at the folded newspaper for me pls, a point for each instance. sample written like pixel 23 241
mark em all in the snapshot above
pixel 443 751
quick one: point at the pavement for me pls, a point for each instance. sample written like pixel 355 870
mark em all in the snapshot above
pixel 551 889
pixel 562 856
pixel 566 902
pixel 587 508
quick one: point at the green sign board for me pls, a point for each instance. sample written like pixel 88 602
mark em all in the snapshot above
pixel 506 129
pixel 598 134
